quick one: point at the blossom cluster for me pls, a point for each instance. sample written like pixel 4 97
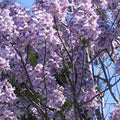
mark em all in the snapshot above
pixel 7 97
pixel 45 57
pixel 115 114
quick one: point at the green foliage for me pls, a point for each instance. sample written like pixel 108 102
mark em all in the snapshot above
pixel 33 57
pixel 85 42
pixel 60 113
pixel 30 117
pixel 67 104
pixel 61 75
pixel 40 96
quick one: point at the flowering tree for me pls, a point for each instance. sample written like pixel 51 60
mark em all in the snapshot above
pixel 53 59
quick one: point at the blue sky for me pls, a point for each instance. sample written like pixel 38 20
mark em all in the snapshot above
pixel 24 3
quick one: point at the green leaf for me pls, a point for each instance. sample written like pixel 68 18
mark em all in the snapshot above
pixel 66 105
pixel 33 57
pixel 30 117
pixel 39 96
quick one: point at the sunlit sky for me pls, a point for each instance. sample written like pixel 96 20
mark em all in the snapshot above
pixel 24 3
